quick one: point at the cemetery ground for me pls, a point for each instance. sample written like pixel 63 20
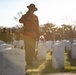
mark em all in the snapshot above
pixel 44 67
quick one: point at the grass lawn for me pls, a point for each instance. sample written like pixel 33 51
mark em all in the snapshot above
pixel 42 67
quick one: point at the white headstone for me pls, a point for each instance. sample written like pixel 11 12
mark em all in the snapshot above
pixel 64 42
pixel 68 45
pixel 42 51
pixel 21 44
pixel 16 44
pixel 1 42
pixel 74 41
pixel 12 62
pixel 58 55
pixel 73 51
pixel 48 45
pixel 58 42
pixel 41 39
pixel 3 46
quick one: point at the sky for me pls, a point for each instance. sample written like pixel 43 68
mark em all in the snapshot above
pixel 53 11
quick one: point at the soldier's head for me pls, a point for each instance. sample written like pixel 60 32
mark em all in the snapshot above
pixel 4 30
pixel 32 7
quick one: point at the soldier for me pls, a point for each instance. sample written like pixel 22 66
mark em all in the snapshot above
pixel 31 32
pixel 4 35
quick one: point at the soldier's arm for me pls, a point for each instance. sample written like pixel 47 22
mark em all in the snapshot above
pixel 22 19
pixel 38 29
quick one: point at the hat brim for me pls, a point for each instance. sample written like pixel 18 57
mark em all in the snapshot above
pixel 35 9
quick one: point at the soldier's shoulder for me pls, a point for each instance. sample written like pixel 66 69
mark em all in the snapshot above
pixel 24 14
pixel 35 16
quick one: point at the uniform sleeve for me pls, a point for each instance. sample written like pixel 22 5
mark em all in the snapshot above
pixel 22 19
pixel 38 28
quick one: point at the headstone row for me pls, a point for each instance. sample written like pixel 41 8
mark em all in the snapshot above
pixel 19 44
pixel 12 60
pixel 58 51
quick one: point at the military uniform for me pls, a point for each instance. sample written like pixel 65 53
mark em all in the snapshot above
pixel 31 34
pixel 4 35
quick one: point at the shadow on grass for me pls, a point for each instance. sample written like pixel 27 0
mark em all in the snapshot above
pixel 42 67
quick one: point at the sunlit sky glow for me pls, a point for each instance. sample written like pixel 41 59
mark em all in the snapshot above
pixel 54 11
